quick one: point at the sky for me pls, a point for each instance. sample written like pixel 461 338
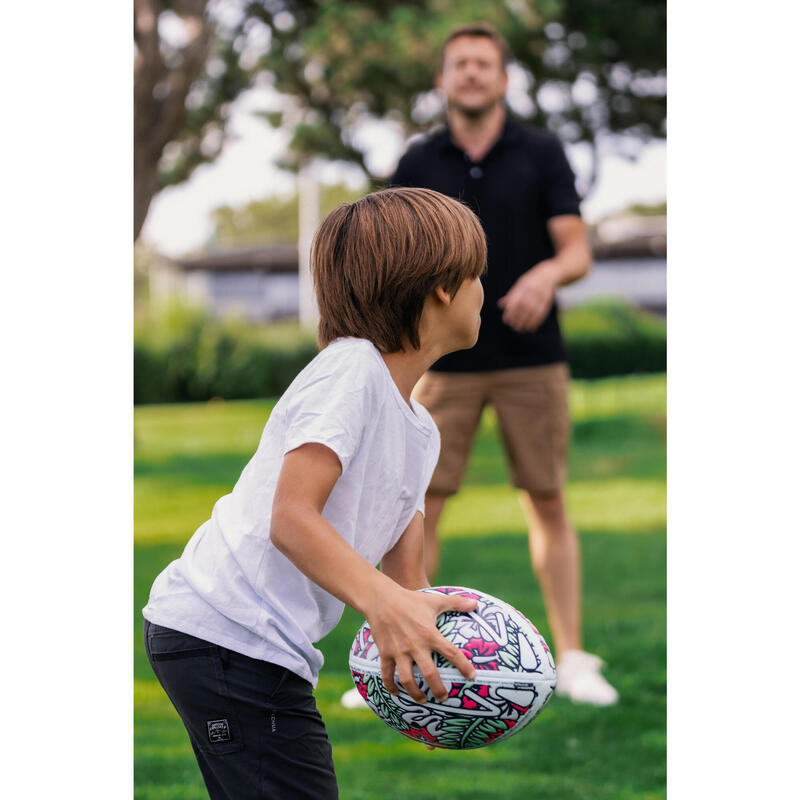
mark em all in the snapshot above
pixel 179 220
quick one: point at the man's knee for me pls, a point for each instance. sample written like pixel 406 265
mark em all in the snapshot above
pixel 549 499
pixel 549 506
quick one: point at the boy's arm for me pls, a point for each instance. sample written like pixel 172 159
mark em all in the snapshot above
pixel 402 621
pixel 404 563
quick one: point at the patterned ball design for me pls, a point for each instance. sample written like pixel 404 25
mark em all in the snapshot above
pixel 515 678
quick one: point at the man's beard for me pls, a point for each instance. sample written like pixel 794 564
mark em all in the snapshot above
pixel 472 112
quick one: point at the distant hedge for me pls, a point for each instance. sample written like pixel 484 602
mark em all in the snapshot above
pixel 611 338
pixel 184 355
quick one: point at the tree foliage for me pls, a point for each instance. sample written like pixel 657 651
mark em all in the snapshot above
pixel 273 219
pixel 592 67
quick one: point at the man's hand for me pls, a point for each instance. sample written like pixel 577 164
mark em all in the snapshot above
pixel 527 302
pixel 403 626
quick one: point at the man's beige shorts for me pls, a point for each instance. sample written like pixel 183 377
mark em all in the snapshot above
pixel 531 406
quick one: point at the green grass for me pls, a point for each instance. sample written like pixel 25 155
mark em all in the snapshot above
pixel 189 455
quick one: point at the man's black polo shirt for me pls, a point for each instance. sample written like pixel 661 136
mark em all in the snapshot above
pixel 521 182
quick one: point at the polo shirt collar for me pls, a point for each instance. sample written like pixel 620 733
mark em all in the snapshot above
pixel 510 134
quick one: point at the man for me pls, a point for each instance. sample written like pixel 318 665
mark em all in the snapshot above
pixel 519 183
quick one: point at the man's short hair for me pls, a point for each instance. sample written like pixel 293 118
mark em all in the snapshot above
pixel 375 262
pixel 479 29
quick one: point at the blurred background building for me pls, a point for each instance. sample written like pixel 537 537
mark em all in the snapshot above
pixel 258 283
pixel 261 283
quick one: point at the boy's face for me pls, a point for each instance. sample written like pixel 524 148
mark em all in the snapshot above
pixel 472 78
pixel 465 312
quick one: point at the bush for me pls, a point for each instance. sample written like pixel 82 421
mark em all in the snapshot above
pixel 612 338
pixel 184 354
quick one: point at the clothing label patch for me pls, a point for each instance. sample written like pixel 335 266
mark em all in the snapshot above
pixel 218 730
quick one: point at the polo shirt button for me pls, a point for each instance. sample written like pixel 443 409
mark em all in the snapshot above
pixel 475 172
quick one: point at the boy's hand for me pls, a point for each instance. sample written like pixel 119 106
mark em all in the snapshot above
pixel 403 626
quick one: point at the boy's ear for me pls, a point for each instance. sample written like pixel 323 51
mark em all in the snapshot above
pixel 443 295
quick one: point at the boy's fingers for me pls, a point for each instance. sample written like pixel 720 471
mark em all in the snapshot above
pixel 431 675
pixel 457 658
pixel 457 602
pixel 405 674
pixel 464 605
pixel 387 673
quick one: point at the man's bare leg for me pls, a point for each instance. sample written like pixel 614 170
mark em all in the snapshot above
pixel 555 555
pixel 556 559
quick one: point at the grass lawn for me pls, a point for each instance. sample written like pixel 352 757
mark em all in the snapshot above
pixel 189 455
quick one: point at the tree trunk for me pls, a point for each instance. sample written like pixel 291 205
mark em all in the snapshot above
pixel 159 91
pixel 145 185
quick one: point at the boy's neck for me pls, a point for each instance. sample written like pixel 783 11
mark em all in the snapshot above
pixel 406 367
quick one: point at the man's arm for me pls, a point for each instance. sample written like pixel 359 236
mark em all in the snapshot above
pixel 527 302
pixel 573 258
pixel 403 622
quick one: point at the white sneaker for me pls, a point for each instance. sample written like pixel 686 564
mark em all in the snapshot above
pixel 352 699
pixel 579 679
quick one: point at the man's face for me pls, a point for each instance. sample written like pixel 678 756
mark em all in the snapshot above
pixel 472 77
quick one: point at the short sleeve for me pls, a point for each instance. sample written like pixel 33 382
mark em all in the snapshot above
pixel 331 408
pixel 559 193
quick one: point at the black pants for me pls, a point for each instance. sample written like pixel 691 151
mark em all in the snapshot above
pixel 254 726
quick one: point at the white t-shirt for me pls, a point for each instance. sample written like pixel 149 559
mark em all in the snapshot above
pixel 231 586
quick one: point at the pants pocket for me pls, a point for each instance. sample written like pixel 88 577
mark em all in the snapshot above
pixel 191 672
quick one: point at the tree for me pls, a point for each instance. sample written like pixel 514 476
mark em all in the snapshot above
pixel 186 72
pixel 593 67
pixel 273 219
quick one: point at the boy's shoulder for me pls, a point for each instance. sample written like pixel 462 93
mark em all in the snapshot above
pixel 350 352
pixel 344 363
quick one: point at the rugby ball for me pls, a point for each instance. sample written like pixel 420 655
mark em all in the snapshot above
pixel 515 678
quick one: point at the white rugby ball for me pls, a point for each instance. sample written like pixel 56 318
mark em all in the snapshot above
pixel 515 678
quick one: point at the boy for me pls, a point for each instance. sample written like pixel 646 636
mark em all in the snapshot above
pixel 336 485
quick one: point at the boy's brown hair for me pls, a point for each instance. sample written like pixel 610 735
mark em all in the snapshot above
pixel 376 261
pixel 479 29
